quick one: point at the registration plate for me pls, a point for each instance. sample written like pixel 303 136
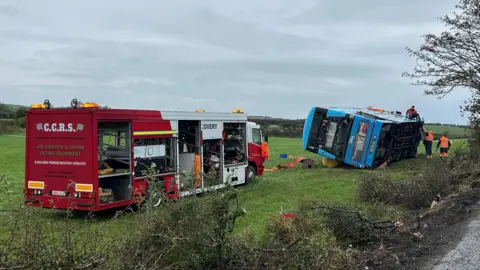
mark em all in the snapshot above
pixel 58 193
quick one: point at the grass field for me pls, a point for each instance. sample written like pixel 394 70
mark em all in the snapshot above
pixel 261 200
pixel 454 132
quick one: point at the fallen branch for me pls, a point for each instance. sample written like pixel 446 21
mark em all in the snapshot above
pixel 284 248
pixel 374 224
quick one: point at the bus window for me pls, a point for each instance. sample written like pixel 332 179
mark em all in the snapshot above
pixel 331 130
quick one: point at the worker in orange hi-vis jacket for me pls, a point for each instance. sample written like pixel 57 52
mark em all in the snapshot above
pixel 265 150
pixel 412 113
pixel 444 144
pixel 428 142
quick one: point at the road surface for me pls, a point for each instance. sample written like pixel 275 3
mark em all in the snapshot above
pixel 466 254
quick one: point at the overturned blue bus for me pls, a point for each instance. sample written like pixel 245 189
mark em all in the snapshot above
pixel 363 138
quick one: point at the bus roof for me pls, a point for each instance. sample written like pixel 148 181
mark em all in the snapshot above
pixel 382 116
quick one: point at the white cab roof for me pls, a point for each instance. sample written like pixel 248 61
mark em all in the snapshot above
pixel 212 116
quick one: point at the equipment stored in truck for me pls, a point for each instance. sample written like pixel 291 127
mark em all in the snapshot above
pixel 89 158
pixel 363 138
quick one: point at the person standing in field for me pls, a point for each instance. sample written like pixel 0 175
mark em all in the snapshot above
pixel 444 144
pixel 428 142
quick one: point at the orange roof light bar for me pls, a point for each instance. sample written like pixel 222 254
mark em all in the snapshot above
pixel 90 105
pixel 38 106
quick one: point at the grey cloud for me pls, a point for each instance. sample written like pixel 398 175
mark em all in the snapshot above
pixel 409 13
pixel 8 10
pixel 274 57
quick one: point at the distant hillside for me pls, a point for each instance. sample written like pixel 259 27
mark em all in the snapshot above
pixel 277 126
pixel 280 127
pixel 8 111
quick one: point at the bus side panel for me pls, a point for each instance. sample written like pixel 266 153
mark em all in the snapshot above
pixel 373 144
pixel 368 140
pixel 352 140
pixel 306 128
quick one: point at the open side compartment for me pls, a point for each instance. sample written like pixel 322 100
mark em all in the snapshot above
pixel 154 156
pixel 235 143
pixel 212 162
pixel 114 161
pixel 189 154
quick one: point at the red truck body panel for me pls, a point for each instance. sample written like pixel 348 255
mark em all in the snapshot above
pixel 61 151
pixel 255 156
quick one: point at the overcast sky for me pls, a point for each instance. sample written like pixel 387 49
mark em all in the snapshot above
pixel 268 57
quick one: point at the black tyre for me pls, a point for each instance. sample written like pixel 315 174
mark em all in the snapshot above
pixel 155 195
pixel 251 173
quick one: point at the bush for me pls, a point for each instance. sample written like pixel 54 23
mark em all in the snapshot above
pixel 190 233
pixel 21 122
pixel 383 189
pixel 7 126
pixel 437 177
pixel 352 224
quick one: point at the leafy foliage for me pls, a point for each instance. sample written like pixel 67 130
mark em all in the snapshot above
pixel 451 59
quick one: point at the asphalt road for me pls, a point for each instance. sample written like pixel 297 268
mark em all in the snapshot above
pixel 466 254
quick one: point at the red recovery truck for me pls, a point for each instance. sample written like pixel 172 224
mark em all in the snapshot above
pixel 89 158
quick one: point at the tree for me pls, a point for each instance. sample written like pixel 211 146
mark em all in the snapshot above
pixel 21 112
pixel 451 60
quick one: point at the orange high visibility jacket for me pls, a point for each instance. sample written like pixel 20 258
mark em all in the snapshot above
pixel 197 169
pixel 265 150
pixel 429 137
pixel 411 111
pixel 444 142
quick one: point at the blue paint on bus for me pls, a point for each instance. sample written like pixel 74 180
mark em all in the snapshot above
pixel 325 154
pixel 306 127
pixel 361 137
pixel 336 113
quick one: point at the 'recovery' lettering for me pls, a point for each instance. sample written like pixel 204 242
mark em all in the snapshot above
pixel 209 126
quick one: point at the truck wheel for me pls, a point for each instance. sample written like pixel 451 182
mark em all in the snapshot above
pixel 156 199
pixel 250 177
pixel 154 196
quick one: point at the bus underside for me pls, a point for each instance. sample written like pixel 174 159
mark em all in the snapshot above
pixel 398 141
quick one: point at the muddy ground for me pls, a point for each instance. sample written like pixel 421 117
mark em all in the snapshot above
pixel 423 242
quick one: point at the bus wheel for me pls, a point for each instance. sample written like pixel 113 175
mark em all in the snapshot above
pixel 250 175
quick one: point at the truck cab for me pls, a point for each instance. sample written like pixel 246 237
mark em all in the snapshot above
pixel 256 158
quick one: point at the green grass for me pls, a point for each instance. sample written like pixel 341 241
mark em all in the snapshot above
pixel 263 199
pixel 453 132
pixel 288 188
pixel 12 164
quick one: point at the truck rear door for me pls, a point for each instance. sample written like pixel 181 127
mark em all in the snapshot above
pixel 58 154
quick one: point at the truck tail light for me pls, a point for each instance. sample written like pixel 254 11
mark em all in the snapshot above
pixel 34 192
pixel 83 195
